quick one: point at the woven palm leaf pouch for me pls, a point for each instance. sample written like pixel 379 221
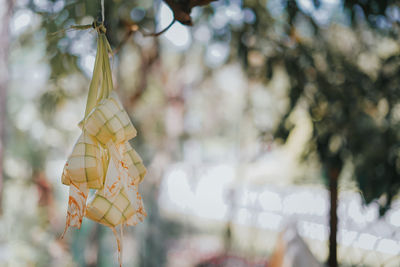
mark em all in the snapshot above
pixel 102 158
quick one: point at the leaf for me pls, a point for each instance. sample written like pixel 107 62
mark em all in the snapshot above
pixel 182 9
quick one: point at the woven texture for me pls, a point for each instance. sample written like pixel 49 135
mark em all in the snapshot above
pixel 134 164
pixel 109 121
pixel 85 164
pixel 110 213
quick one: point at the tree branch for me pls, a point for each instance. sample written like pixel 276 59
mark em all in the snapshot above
pixel 155 34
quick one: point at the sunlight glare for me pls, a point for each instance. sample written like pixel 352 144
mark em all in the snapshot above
pixel 21 20
pixel 178 34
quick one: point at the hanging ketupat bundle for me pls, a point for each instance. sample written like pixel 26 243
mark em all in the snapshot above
pixel 103 159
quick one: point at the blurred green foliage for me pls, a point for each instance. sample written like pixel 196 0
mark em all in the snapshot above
pixel 342 62
pixel 354 111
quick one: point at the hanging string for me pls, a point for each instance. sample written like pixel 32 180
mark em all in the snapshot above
pixel 102 11
pixel 100 28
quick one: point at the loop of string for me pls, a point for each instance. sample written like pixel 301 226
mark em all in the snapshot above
pixel 100 28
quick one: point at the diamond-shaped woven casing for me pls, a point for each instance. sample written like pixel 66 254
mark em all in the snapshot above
pixel 102 210
pixel 85 164
pixel 134 163
pixel 109 121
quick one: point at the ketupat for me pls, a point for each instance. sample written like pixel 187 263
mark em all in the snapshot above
pixel 109 121
pixel 110 213
pixel 103 159
pixel 85 164
pixel 134 163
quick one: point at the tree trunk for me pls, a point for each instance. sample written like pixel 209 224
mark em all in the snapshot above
pixel 5 14
pixel 333 219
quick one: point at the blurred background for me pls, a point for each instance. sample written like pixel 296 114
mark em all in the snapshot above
pixel 258 124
